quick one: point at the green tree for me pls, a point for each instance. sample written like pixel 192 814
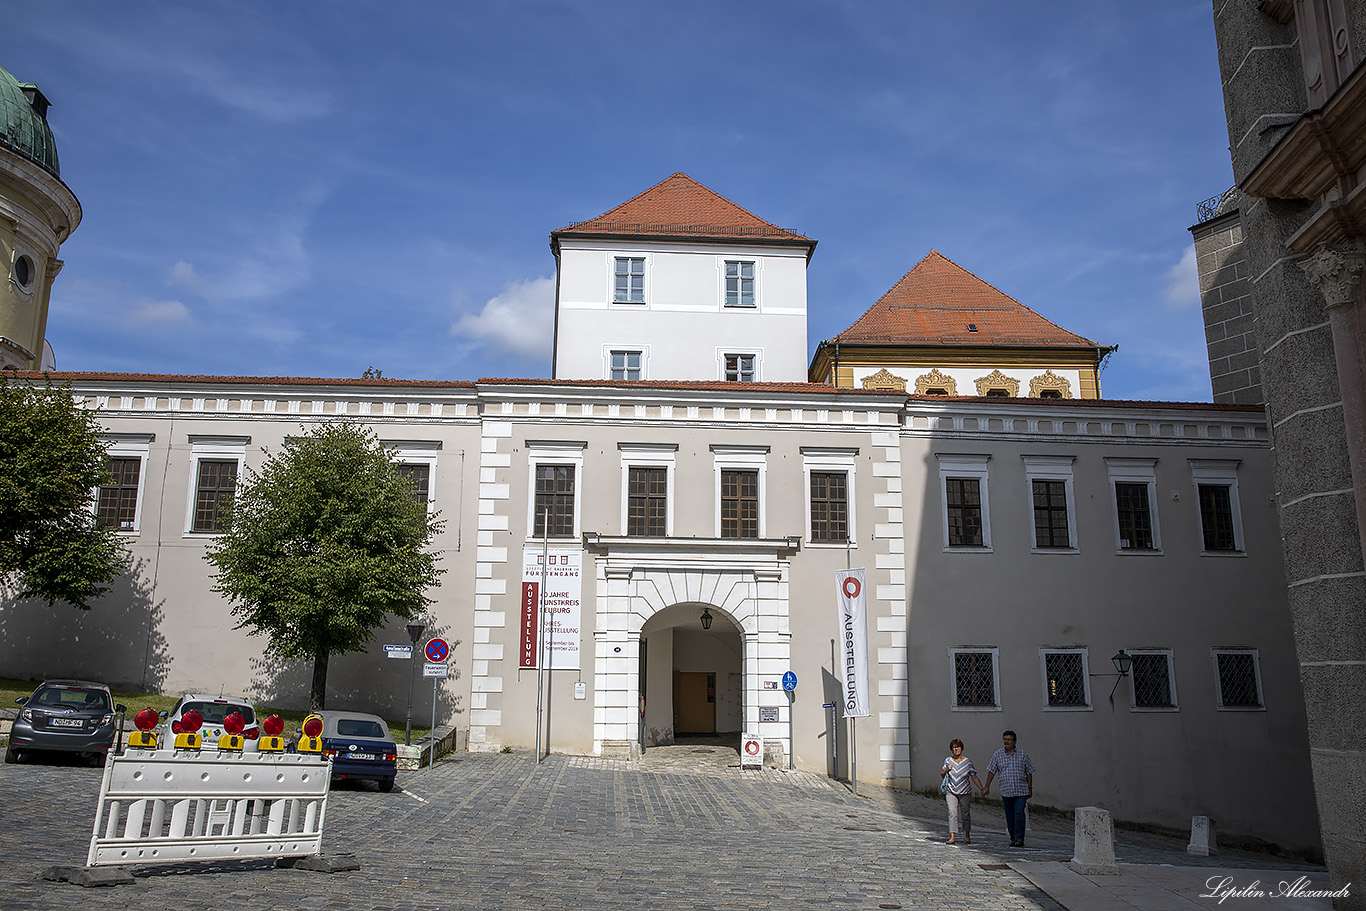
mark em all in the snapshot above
pixel 325 543
pixel 51 462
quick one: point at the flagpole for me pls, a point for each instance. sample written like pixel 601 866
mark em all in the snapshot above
pixel 540 633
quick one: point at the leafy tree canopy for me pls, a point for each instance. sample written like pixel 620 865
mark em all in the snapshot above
pixel 326 543
pixel 51 462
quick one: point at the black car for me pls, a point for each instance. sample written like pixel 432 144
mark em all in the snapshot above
pixel 74 716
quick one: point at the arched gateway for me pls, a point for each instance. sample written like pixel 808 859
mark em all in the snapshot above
pixel 654 591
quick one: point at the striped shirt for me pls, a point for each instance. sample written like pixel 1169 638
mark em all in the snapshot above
pixel 960 774
pixel 1011 768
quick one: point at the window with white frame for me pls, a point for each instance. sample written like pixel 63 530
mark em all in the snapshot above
pixel 1066 682
pixel 215 464
pixel 1238 679
pixel 1153 679
pixel 625 365
pixel 1133 484
pixel 739 368
pixel 647 488
pixel 118 502
pixel 628 280
pixel 555 470
pixel 740 494
pixel 1221 514
pixel 974 680
pixel 966 511
pixel 1051 503
pixel 830 502
pixel 739 283
pixel 415 461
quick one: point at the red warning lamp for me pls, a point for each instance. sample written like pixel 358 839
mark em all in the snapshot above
pixel 146 719
pixel 191 722
pixel 234 723
pixel 313 726
pixel 273 726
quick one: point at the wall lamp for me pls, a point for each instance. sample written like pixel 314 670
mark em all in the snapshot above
pixel 706 618
pixel 1122 661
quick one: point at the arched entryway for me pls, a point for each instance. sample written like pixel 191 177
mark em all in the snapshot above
pixel 692 675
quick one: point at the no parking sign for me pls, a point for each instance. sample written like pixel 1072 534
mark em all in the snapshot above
pixel 751 751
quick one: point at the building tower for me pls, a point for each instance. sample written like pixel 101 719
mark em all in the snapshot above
pixel 37 213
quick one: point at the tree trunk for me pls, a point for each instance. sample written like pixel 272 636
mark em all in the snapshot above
pixel 317 698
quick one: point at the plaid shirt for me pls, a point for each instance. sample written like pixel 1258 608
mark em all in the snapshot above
pixel 1011 768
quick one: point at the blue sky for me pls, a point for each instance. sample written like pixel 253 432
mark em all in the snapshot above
pixel 309 189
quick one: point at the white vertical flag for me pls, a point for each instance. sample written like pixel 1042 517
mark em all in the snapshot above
pixel 853 613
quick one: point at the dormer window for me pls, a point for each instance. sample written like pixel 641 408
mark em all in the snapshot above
pixel 972 327
pixel 937 390
pixel 1002 393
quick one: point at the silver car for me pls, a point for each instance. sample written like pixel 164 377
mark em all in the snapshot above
pixel 75 716
pixel 213 711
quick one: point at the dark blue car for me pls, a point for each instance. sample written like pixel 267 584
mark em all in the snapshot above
pixel 360 748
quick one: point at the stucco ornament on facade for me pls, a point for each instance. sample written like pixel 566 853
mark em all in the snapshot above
pixel 935 380
pixel 884 379
pixel 1049 380
pixel 1336 274
pixel 997 380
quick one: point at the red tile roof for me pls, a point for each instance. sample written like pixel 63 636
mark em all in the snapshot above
pixel 679 206
pixel 81 376
pixel 938 301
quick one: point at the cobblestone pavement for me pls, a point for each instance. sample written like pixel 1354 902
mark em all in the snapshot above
pixel 682 829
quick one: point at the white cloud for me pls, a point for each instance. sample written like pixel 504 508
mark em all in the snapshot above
pixel 1183 283
pixel 150 312
pixel 520 320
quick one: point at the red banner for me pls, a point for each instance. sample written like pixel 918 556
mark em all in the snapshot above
pixel 531 603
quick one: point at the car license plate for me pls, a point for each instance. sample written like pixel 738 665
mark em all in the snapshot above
pixel 370 756
pixel 66 722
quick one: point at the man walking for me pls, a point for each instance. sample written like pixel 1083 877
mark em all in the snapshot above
pixel 1017 785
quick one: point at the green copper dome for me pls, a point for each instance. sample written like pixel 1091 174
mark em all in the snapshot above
pixel 23 123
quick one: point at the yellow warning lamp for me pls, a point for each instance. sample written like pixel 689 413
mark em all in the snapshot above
pixel 187 736
pixel 310 738
pixel 272 742
pixel 231 738
pixel 144 738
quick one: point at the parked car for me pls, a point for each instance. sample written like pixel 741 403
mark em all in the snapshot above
pixel 213 710
pixel 74 716
pixel 360 748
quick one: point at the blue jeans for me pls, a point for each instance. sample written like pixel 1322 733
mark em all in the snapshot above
pixel 1015 816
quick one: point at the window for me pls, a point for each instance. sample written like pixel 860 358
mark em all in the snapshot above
pixel 555 468
pixel 629 280
pixel 739 504
pixel 647 506
pixel 1066 684
pixel 974 679
pixel 830 506
pixel 625 365
pixel 554 500
pixel 215 463
pixel 23 272
pixel 739 283
pixel 1221 519
pixel 419 477
pixel 1134 484
pixel 1238 678
pixel 964 497
pixel 739 368
pixel 213 494
pixel 118 500
pixel 1153 684
pixel 966 516
pixel 1051 503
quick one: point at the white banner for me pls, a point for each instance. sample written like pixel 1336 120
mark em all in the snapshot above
pixel 853 611
pixel 563 603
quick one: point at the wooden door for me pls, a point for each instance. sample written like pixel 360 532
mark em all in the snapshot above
pixel 696 703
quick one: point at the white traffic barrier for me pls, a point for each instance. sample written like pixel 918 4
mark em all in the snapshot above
pixel 158 806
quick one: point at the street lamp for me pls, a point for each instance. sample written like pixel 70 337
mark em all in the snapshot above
pixel 414 633
pixel 1122 661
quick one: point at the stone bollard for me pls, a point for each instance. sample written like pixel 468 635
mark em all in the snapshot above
pixel 1094 851
pixel 1203 841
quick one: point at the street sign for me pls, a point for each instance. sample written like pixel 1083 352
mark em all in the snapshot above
pixel 435 669
pixel 436 649
pixel 398 651
pixel 751 751
pixel 789 681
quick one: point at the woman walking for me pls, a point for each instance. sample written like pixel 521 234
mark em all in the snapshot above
pixel 958 776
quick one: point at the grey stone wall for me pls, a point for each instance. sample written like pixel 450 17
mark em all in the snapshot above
pixel 1226 304
pixel 1264 94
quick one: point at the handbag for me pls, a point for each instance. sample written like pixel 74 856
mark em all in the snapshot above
pixel 944 785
